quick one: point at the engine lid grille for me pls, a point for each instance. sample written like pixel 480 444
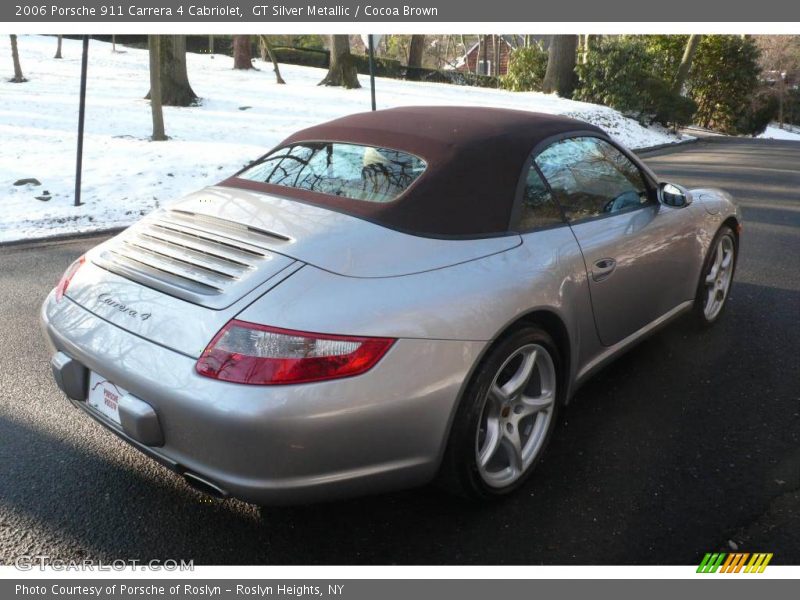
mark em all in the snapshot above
pixel 205 260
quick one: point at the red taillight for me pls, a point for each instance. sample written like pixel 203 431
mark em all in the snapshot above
pixel 63 283
pixel 245 352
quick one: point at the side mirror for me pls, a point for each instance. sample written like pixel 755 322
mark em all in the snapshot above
pixel 673 195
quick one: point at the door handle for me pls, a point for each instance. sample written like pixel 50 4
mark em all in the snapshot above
pixel 603 268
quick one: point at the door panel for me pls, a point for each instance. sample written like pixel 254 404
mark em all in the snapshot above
pixel 637 252
pixel 638 264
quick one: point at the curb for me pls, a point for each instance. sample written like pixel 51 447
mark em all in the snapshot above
pixel 61 239
pixel 648 149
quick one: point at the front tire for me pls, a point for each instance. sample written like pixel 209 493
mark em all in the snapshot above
pixel 506 417
pixel 716 277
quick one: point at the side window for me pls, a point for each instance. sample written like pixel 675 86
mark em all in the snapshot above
pixel 590 177
pixel 538 208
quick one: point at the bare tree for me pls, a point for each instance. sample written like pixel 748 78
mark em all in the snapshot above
pixel 268 52
pixel 175 87
pixel 561 58
pixel 780 63
pixel 465 48
pixel 18 77
pixel 113 43
pixel 58 48
pixel 686 62
pixel 416 50
pixel 242 52
pixel 154 44
pixel 342 70
pixel 443 60
pixel 211 44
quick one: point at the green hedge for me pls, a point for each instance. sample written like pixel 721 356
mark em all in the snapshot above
pixel 724 82
pixel 303 56
pixel 791 107
pixel 460 78
pixel 384 67
pixel 622 73
pixel 526 69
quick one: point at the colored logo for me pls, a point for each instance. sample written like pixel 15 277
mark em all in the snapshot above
pixel 735 562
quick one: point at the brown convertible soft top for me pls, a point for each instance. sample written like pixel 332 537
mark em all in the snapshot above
pixel 475 158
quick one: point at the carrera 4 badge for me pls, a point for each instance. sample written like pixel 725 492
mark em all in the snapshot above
pixel 107 299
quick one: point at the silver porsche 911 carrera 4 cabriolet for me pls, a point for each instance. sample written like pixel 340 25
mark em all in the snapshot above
pixel 384 300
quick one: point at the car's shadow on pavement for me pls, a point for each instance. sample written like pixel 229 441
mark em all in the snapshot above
pixel 655 457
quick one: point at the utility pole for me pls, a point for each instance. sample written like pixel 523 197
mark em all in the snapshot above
pixel 372 68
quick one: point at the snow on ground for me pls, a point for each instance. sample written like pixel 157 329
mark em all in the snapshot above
pixel 242 114
pixel 773 132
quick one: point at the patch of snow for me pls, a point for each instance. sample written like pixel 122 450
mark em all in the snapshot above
pixel 242 114
pixel 773 132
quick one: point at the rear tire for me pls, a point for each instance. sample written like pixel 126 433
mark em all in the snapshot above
pixel 506 417
pixel 716 278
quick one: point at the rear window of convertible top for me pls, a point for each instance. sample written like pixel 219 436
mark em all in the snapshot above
pixel 353 171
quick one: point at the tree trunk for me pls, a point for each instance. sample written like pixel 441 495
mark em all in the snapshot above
pixel 211 44
pixel 266 49
pixel 242 52
pixel 561 57
pixel 587 47
pixel 485 56
pixel 154 43
pixel 496 41
pixel 58 48
pixel 113 43
pixel 342 70
pixel 686 63
pixel 446 60
pixel 175 87
pixel 18 77
pixel 415 51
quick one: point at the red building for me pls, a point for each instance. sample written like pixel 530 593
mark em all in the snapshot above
pixel 482 56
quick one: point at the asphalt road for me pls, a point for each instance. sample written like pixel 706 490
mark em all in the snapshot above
pixel 687 442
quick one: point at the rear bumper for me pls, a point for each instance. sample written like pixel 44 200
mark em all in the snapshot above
pixel 271 445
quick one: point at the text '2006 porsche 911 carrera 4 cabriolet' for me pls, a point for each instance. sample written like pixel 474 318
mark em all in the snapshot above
pixel 384 300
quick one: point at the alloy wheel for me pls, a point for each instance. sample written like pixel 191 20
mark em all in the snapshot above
pixel 718 278
pixel 516 415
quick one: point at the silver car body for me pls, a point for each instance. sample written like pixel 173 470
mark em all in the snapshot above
pixel 445 300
